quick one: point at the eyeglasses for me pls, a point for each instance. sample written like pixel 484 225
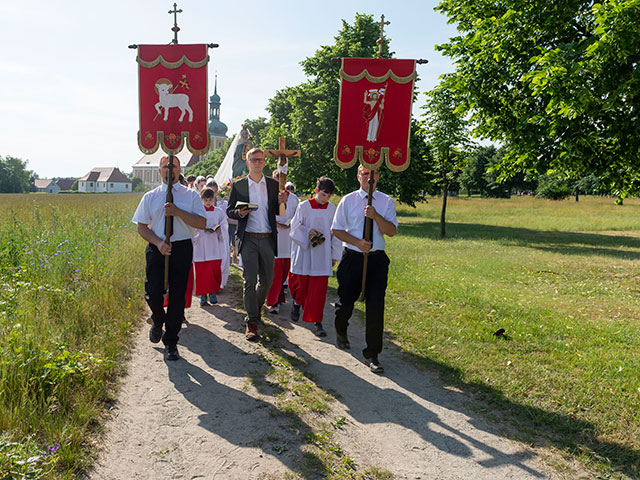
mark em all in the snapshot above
pixel 256 159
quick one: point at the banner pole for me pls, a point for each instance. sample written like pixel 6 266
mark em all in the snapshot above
pixel 368 230
pixel 168 221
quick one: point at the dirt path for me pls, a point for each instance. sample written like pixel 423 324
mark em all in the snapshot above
pixel 203 418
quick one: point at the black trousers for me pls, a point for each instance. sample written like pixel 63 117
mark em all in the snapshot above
pixel 349 276
pixel 179 265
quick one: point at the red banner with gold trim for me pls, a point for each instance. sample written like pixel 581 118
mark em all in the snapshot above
pixel 374 116
pixel 173 98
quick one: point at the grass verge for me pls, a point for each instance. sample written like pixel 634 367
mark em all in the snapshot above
pixel 561 279
pixel 72 277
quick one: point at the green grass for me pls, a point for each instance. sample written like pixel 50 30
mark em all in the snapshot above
pixel 71 270
pixel 561 279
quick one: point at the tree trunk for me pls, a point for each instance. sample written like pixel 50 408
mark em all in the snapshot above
pixel 445 192
pixel 577 193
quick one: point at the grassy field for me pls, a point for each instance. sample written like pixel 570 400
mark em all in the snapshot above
pixel 561 278
pixel 71 270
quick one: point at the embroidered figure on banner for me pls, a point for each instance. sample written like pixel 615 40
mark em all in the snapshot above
pixel 168 99
pixel 373 111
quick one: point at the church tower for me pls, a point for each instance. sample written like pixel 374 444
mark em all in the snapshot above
pixel 217 129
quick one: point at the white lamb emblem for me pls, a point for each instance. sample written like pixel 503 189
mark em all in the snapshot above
pixel 168 100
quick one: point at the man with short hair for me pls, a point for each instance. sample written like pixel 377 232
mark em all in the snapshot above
pixel 348 226
pixel 256 235
pixel 188 213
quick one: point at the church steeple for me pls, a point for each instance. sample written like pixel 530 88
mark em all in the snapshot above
pixel 216 127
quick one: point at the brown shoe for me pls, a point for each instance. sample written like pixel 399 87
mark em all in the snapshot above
pixel 251 333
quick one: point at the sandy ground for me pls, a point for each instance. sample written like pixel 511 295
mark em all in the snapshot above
pixel 200 417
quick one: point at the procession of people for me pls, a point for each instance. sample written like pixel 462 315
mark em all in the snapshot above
pixel 280 241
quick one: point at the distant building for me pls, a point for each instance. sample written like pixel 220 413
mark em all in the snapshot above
pixel 46 185
pixel 65 183
pixel 146 168
pixel 217 129
pixel 104 179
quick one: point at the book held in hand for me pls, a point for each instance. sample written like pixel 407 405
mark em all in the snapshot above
pixel 250 206
pixel 215 228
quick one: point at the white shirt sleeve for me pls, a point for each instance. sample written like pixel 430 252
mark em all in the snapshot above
pixel 143 212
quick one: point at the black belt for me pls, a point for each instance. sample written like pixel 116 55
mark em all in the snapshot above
pixel 371 253
pixel 257 235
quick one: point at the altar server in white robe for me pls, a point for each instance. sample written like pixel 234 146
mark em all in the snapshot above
pixel 314 252
pixel 282 263
pixel 209 249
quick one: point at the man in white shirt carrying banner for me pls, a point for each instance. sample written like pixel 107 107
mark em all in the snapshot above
pixel 188 213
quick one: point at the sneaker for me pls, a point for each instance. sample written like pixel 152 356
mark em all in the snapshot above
pixel 251 332
pixel 275 309
pixel 171 353
pixel 342 342
pixel 203 301
pixel 295 312
pixel 213 299
pixel 373 364
pixel 155 334
pixel 318 330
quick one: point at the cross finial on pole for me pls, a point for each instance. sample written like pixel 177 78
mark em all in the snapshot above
pixel 381 40
pixel 175 28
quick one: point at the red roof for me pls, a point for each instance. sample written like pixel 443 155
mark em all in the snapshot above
pixel 105 174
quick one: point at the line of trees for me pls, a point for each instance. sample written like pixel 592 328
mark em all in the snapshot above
pixel 494 93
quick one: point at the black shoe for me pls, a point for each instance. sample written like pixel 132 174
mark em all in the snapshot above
pixel 318 330
pixel 295 312
pixel 155 334
pixel 171 353
pixel 373 364
pixel 342 342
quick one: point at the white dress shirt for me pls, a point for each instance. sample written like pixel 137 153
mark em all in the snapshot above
pixel 151 211
pixel 350 216
pixel 258 221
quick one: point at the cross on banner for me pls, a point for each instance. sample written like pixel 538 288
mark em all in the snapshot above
pixel 381 40
pixel 175 28
pixel 283 164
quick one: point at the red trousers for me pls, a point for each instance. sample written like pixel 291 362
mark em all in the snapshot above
pixel 208 276
pixel 280 272
pixel 310 293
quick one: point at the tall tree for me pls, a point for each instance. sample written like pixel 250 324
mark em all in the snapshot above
pixel 557 83
pixel 307 115
pixel 14 176
pixel 446 130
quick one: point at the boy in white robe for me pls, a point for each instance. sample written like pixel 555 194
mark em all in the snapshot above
pixel 282 263
pixel 313 254
pixel 209 250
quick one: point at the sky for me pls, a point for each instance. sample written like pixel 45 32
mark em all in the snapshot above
pixel 68 96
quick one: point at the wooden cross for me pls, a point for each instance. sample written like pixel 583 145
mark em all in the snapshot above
pixel 175 28
pixel 283 164
pixel 381 40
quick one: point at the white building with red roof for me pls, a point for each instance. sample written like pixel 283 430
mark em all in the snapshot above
pixel 105 179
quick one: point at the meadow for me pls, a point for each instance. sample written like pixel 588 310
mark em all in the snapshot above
pixel 559 277
pixel 71 270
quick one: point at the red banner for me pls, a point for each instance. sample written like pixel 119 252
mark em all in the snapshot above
pixel 173 98
pixel 374 116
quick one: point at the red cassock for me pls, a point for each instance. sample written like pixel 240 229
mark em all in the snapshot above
pixel 173 98
pixel 374 116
